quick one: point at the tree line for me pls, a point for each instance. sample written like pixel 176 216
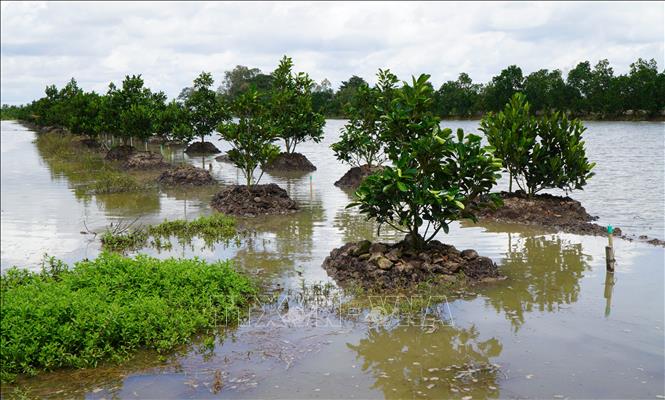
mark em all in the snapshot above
pixel 589 91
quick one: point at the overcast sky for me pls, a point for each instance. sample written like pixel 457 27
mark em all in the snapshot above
pixel 170 43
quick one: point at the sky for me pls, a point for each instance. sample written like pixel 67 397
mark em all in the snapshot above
pixel 170 43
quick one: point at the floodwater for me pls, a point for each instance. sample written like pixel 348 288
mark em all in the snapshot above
pixel 558 327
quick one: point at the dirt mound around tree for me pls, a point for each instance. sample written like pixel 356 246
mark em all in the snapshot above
pixel 120 153
pixel 145 160
pixel 356 175
pixel 90 143
pixel 290 162
pixel 259 200
pixel 202 148
pixel 385 266
pixel 223 158
pixel 186 175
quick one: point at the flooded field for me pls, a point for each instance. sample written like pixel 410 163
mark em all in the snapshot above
pixel 558 327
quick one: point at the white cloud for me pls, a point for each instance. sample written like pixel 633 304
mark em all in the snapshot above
pixel 170 43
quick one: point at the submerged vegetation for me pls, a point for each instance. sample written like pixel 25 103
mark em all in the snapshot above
pixel 86 169
pixel 106 308
pixel 212 229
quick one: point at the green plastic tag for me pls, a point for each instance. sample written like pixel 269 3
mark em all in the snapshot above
pixel 610 229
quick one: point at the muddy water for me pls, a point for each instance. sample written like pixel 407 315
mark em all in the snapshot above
pixel 556 327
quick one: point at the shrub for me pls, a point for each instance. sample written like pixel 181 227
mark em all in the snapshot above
pixel 250 137
pixel 291 112
pixel 359 143
pixel 538 153
pixel 106 308
pixel 433 177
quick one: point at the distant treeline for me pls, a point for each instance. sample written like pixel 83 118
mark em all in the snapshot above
pixel 587 91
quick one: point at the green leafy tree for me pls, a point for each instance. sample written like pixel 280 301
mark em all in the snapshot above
pixel 434 174
pixel 501 88
pixel 85 116
pixel 644 91
pixel 538 153
pixel 173 122
pixel 250 137
pixel 204 107
pixel 360 142
pixel 131 110
pixel 291 112
pixel 558 159
pixel 458 98
pixel 345 93
pixel 512 133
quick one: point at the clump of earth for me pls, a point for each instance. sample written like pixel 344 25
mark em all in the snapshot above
pixel 202 148
pixel 120 153
pixel 290 162
pixel 223 158
pixel 386 266
pixel 252 201
pixel 186 175
pixel 356 175
pixel 145 160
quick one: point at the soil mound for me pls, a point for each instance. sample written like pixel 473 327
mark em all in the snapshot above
pixel 202 148
pixel 223 158
pixel 145 160
pixel 120 153
pixel 385 266
pixel 259 200
pixel 290 162
pixel 186 175
pixel 356 175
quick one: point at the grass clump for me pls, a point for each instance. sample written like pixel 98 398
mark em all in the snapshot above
pixel 129 240
pixel 108 307
pixel 212 229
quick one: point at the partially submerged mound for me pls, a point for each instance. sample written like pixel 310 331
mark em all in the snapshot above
pixel 120 153
pixel 186 175
pixel 356 175
pixel 380 265
pixel 145 160
pixel 257 200
pixel 202 148
pixel 555 212
pixel 90 143
pixel 290 162
pixel 223 158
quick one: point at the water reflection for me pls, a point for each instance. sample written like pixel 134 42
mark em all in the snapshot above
pixel 408 362
pixel 544 273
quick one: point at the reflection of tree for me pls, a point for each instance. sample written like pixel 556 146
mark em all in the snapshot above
pixel 355 226
pixel 282 240
pixel 544 273
pixel 407 360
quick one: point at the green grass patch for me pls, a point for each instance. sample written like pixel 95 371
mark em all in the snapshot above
pixel 214 228
pixel 106 308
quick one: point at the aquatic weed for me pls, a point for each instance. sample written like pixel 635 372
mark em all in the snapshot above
pixel 106 308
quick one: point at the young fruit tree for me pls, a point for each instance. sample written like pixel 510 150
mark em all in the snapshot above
pixel 131 111
pixel 250 137
pixel 291 112
pixel 360 143
pixel 434 174
pixel 204 107
pixel 538 152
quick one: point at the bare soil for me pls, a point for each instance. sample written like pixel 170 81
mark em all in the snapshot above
pixel 145 160
pixel 186 175
pixel 291 162
pixel 386 266
pixel 120 153
pixel 259 200
pixel 202 148
pixel 356 175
